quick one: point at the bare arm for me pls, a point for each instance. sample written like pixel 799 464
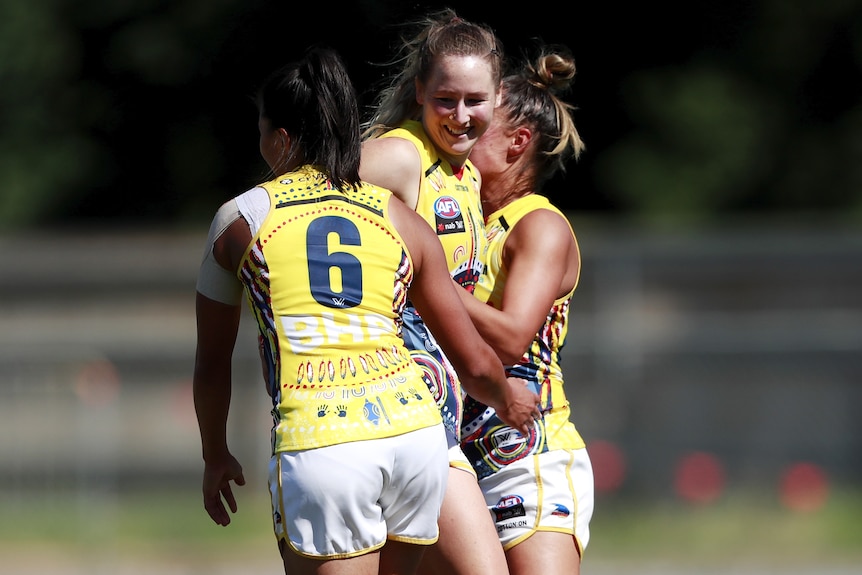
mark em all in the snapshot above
pixel 393 163
pixel 436 298
pixel 542 261
pixel 217 328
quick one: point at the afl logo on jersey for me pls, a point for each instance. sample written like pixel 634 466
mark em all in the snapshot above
pixel 447 207
pixel 509 501
pixel 447 216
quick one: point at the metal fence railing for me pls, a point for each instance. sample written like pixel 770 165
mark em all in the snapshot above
pixel 745 345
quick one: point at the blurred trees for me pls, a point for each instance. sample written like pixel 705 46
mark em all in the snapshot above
pixel 768 118
pixel 138 112
pixel 96 117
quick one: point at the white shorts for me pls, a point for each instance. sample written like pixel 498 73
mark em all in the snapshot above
pixel 457 459
pixel 348 499
pixel 551 491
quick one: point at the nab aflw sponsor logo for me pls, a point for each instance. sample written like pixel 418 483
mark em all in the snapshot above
pixel 447 214
pixel 447 207
pixel 507 507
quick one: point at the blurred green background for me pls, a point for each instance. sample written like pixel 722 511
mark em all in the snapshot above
pixel 714 357
pixel 138 111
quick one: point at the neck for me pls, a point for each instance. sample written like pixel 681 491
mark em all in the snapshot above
pixel 456 162
pixel 500 190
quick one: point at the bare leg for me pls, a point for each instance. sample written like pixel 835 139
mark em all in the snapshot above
pixel 397 558
pixel 545 552
pixel 298 565
pixel 468 543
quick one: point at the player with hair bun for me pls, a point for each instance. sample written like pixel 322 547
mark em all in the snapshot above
pixel 538 486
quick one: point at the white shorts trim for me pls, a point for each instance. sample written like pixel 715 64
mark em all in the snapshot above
pixel 348 499
pixel 551 491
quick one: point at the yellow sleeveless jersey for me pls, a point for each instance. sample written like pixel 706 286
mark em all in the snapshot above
pixel 326 277
pixel 487 441
pixel 451 205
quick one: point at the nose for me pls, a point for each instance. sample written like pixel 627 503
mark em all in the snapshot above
pixel 459 113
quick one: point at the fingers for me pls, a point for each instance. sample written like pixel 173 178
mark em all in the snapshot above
pixel 530 423
pixel 215 509
pixel 217 491
pixel 532 417
pixel 227 493
pixel 527 424
pixel 523 409
pixel 214 505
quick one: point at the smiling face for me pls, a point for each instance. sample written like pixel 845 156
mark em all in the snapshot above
pixel 458 100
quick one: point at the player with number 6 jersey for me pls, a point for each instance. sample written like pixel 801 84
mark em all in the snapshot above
pixel 320 278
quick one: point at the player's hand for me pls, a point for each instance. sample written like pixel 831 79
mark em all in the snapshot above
pixel 521 409
pixel 218 473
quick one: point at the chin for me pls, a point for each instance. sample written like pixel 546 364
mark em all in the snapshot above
pixel 463 148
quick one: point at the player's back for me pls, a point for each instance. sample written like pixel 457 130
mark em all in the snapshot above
pixel 327 277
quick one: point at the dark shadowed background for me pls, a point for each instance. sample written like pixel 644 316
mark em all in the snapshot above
pixel 139 112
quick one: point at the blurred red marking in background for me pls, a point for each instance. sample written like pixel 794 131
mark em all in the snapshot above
pixel 699 478
pixel 609 465
pixel 803 487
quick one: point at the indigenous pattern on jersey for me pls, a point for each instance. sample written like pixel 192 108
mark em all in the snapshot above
pixel 451 205
pixel 326 277
pixel 487 442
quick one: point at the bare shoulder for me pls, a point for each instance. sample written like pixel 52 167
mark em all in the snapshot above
pixel 543 225
pixel 386 154
pixel 392 163
pixel 541 231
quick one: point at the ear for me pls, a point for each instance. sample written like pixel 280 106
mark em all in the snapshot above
pixel 520 142
pixel 283 138
pixel 285 148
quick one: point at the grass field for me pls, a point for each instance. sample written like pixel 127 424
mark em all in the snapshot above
pixel 169 533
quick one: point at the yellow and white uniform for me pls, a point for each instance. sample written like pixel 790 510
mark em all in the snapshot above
pixel 542 481
pixel 359 449
pixel 326 276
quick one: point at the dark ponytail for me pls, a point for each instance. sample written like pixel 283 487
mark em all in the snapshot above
pixel 314 100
